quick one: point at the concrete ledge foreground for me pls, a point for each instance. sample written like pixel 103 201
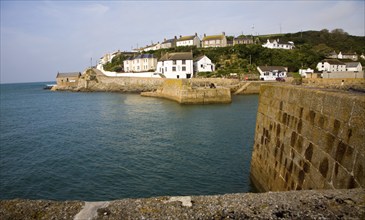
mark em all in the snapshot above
pixel 316 204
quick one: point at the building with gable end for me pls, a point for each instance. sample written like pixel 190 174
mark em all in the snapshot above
pixel 350 56
pixel 176 65
pixel 188 41
pixel 353 67
pixel 277 44
pixel 214 40
pixel 156 46
pixel 243 40
pixel 68 79
pixel 140 63
pixel 170 43
pixel 331 65
pixel 203 64
pixel 272 72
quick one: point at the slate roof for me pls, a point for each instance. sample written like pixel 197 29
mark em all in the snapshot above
pixel 70 74
pixel 243 38
pixel 199 58
pixel 169 41
pixel 141 56
pixel 186 38
pixel 214 37
pixel 177 56
pixel 144 56
pixel 352 64
pixel 334 62
pixel 281 42
pixel 272 68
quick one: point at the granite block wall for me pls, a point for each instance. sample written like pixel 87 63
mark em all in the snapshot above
pixel 308 138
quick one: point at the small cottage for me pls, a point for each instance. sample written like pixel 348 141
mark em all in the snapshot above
pixel 331 65
pixel 176 65
pixel 214 40
pixel 68 79
pixel 277 44
pixel 203 64
pixel 188 41
pixel 272 72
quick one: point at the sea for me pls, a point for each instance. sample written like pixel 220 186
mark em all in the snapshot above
pixel 106 146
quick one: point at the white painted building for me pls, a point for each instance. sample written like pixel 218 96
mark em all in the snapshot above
pixel 353 67
pixel 277 44
pixel 176 65
pixel 331 66
pixel 140 63
pixel 156 46
pixel 351 56
pixel 272 72
pixel 108 57
pixel 203 64
pixel 188 41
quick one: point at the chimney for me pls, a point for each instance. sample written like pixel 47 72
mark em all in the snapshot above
pixel 175 37
pixel 196 34
pixel 180 36
pixel 205 35
pixel 164 39
pixel 224 33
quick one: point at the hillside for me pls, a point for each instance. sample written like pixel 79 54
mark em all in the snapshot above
pixel 310 48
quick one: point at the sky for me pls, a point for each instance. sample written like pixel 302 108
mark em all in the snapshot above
pixel 41 38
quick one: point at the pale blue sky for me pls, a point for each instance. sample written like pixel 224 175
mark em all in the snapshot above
pixel 40 38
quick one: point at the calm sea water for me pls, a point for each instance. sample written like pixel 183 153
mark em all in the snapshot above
pixel 104 146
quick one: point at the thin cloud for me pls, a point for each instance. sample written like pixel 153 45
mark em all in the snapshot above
pixel 51 36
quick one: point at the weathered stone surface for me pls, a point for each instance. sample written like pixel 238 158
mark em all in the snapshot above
pixel 320 143
pixel 180 90
pixel 324 204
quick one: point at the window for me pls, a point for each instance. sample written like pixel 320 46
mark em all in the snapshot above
pixel 174 62
pixel 184 68
pixel 174 68
pixel 183 61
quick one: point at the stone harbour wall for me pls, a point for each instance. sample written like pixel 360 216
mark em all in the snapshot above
pixel 309 138
pixel 183 92
pixel 322 204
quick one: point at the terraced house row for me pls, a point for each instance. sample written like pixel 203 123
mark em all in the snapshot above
pixel 219 40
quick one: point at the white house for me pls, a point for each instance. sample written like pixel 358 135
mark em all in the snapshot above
pixel 176 65
pixel 140 63
pixel 203 64
pixel 353 67
pixel 188 41
pixel 156 46
pixel 272 72
pixel 330 65
pixel 108 57
pixel 277 44
pixel 306 72
pixel 351 56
